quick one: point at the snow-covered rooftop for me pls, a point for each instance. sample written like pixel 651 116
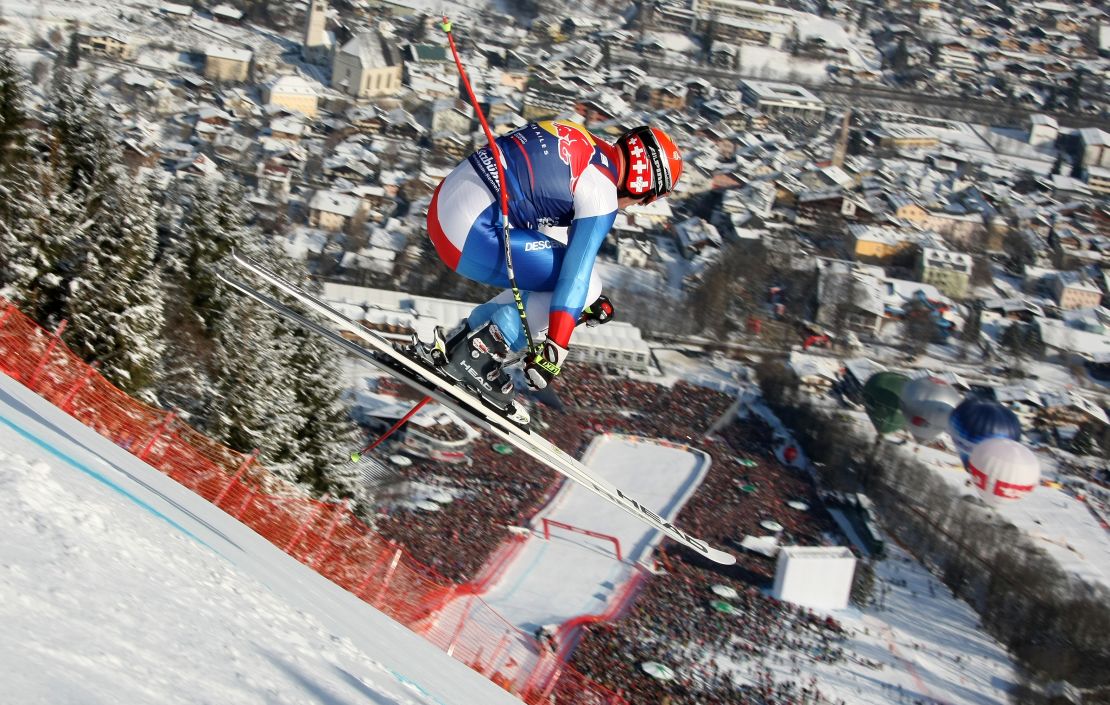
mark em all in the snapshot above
pixel 334 202
pixel 221 51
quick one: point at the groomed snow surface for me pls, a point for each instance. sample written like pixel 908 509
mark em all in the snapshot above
pixel 119 586
pixel 916 644
pixel 539 587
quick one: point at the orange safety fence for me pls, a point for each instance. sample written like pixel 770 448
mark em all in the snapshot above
pixel 324 535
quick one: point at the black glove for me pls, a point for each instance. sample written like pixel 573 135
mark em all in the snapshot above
pixel 600 311
pixel 544 365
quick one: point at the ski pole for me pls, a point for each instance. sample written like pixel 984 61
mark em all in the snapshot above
pixel 497 160
pixel 357 455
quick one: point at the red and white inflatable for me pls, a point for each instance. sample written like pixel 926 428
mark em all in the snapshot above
pixel 1003 470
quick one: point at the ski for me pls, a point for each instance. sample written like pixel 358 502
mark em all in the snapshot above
pixel 381 353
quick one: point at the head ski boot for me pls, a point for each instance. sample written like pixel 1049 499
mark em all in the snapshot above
pixel 476 359
pixel 434 353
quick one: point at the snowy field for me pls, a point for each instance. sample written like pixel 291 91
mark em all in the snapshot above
pixel 916 644
pixel 119 586
pixel 1058 522
pixel 539 587
pixel 723 374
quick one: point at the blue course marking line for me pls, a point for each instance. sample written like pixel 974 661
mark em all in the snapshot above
pixel 406 681
pixel 99 478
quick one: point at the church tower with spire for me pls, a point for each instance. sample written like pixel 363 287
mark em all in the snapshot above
pixel 316 48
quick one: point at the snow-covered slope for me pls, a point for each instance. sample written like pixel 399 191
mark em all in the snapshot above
pixel 118 585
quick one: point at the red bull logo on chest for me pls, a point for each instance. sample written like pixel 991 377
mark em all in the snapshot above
pixel 576 149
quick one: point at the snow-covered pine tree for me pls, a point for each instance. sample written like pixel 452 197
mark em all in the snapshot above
pixel 185 382
pixel 115 306
pixel 81 130
pixel 242 374
pixel 15 204
pixel 13 112
pixel 39 220
pixel 47 207
pixel 253 406
pixel 213 224
pixel 324 435
pixel 202 221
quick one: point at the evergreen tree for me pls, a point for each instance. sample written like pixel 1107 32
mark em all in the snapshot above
pixel 312 449
pixel 1023 340
pixel 900 60
pixel 39 243
pixel 249 378
pixel 974 323
pixel 115 306
pixel 420 28
pixel 72 56
pixel 213 224
pixel 1057 164
pixel 13 112
pixel 1075 89
pixel 185 380
pixel 85 149
pixel 1078 171
pixel 709 33
pixel 252 406
pixel 1020 252
pixel 202 223
pixel 45 210
pixel 324 431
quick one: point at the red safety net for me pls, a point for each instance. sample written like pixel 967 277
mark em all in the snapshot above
pixel 324 535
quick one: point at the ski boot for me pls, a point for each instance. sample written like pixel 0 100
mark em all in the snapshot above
pixel 435 353
pixel 475 360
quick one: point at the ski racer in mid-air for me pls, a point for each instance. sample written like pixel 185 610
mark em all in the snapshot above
pixel 565 187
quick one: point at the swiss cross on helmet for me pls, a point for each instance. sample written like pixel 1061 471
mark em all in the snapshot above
pixel 652 164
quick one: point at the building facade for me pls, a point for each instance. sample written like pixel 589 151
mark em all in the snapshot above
pixel 331 210
pixel 109 46
pixel 965 228
pixel 316 46
pixel 950 272
pixel 1098 180
pixel 1096 147
pixel 368 65
pixel 1073 292
pixel 223 63
pixel 784 99
pixel 293 93
pixel 740 31
pixel 741 9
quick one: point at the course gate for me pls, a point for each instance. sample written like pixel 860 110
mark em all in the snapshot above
pixel 548 523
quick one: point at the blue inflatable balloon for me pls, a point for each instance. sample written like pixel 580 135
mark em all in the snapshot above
pixel 977 419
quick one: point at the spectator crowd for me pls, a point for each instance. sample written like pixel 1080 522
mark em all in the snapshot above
pixel 672 621
pixel 675 622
